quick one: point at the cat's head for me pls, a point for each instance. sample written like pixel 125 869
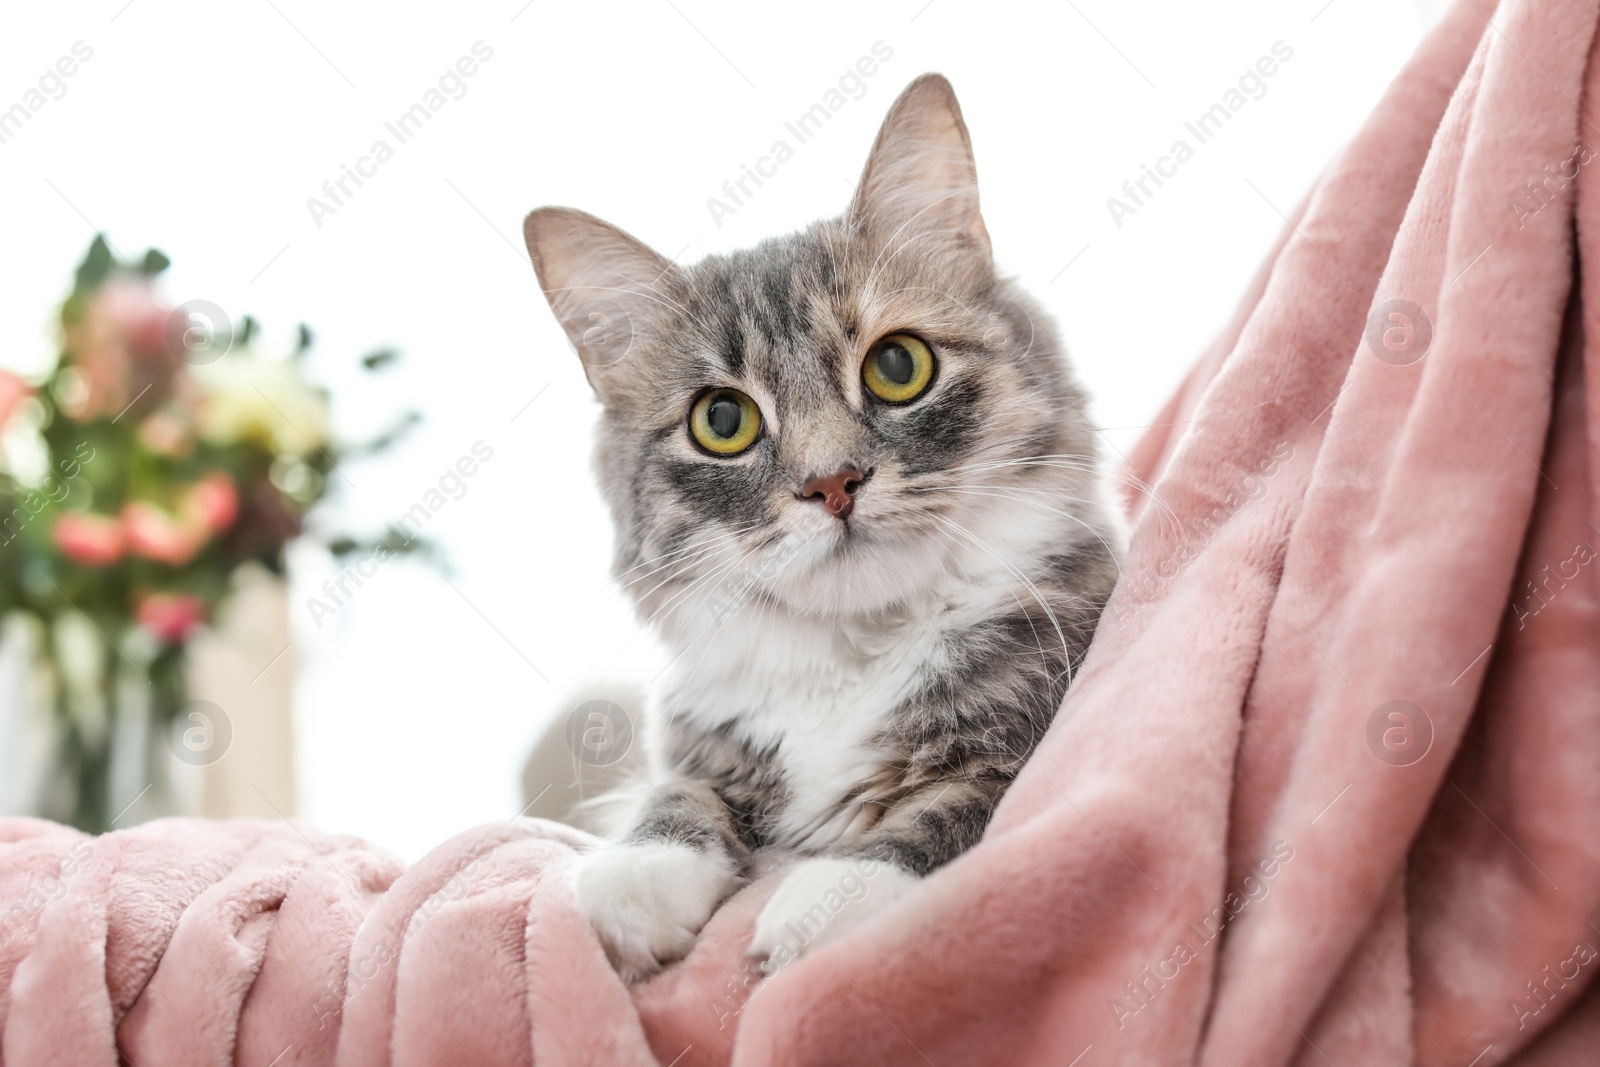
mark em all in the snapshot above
pixel 834 420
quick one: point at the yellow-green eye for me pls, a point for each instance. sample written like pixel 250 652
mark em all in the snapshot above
pixel 898 369
pixel 725 421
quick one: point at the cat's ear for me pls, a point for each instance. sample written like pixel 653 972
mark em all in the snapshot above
pixel 602 285
pixel 920 177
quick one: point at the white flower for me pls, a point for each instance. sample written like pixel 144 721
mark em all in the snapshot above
pixel 248 398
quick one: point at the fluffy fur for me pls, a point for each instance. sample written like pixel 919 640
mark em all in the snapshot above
pixel 865 687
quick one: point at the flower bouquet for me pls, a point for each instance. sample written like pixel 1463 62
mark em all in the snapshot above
pixel 161 453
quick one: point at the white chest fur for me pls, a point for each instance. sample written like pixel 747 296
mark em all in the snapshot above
pixel 819 692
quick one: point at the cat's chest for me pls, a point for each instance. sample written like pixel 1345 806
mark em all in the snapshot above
pixel 814 702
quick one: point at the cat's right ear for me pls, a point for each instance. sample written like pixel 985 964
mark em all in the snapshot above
pixel 920 182
pixel 602 284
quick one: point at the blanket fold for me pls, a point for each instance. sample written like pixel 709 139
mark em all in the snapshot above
pixel 1325 791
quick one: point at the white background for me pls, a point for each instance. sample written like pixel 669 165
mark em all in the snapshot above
pixel 203 128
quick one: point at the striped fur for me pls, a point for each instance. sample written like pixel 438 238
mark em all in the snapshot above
pixel 862 688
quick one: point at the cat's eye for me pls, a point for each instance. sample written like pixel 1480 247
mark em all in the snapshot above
pixel 899 368
pixel 725 422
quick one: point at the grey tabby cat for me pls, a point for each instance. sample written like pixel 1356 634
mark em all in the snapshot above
pixel 856 494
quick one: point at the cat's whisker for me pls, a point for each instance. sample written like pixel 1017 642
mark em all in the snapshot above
pixel 1073 461
pixel 869 289
pixel 1013 460
pixel 658 561
pixel 1138 485
pixel 683 532
pixel 715 626
pixel 634 292
pixel 838 276
pixel 1014 494
pixel 1088 464
pixel 1042 434
pixel 704 327
pixel 692 551
pixel 726 548
pixel 917 234
pixel 970 538
pixel 766 603
pixel 716 562
pixel 1031 587
pixel 933 323
pixel 1053 492
pixel 675 570
pixel 653 291
pixel 715 573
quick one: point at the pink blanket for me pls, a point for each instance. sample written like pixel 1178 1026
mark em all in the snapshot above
pixel 1325 793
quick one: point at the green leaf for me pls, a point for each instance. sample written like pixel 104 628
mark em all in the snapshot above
pixel 155 261
pixel 381 358
pixel 96 266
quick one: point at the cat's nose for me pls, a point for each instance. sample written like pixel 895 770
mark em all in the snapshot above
pixel 836 492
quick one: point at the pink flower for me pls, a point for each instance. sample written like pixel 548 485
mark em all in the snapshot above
pixel 213 503
pixel 13 391
pixel 92 539
pixel 166 434
pixel 119 349
pixel 170 616
pixel 131 308
pixel 154 534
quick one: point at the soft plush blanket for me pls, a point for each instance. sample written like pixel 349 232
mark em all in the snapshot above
pixel 1326 791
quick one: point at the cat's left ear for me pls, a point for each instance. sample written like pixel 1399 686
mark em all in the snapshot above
pixel 920 178
pixel 602 284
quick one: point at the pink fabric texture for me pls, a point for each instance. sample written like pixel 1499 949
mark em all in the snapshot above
pixel 1326 790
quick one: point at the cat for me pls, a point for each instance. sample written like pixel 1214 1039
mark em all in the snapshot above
pixel 856 493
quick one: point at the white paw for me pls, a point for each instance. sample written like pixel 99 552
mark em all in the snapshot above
pixel 822 899
pixel 648 901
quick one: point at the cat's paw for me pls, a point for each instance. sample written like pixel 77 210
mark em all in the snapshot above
pixel 822 899
pixel 646 902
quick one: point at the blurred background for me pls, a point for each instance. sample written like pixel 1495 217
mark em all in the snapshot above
pixel 342 560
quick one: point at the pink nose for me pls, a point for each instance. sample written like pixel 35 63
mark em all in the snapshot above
pixel 836 491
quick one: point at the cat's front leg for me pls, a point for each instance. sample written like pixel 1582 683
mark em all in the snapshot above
pixel 648 895
pixel 822 898
pixel 827 896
